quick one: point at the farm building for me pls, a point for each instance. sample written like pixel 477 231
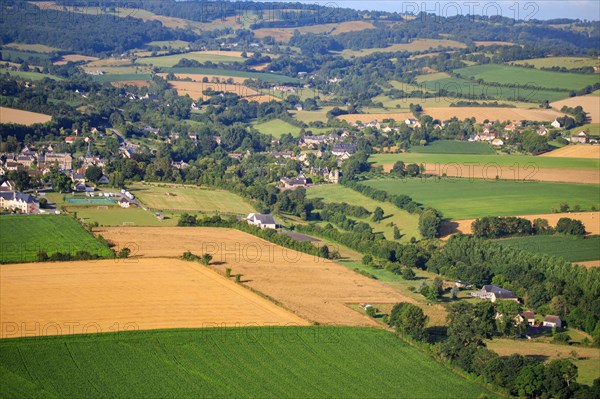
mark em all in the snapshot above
pixel 494 293
pixel 580 138
pixel 300 181
pixel 262 221
pixel 528 317
pixel 24 203
pixel 552 321
pixel 556 124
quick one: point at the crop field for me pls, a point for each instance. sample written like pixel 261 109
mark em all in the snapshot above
pixel 313 288
pixel 278 127
pixel 587 358
pixel 24 236
pixel 277 362
pixel 406 222
pixel 200 56
pixel 591 220
pixel 11 115
pixel 590 104
pixel 561 62
pixel 197 77
pixel 459 87
pixel 75 58
pixel 414 46
pixel 504 74
pixel 453 147
pixel 575 151
pixel 466 198
pixel 37 48
pixel 142 293
pixel 190 198
pixel 285 34
pixel 265 77
pixel 493 113
pixel 501 160
pixel 195 89
pixel 571 248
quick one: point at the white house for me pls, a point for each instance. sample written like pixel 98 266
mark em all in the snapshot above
pixel 556 124
pixel 552 321
pixel 494 293
pixel 24 203
pixel 262 221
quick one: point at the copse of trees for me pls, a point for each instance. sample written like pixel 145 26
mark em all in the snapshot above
pixel 430 221
pixel 409 319
pixel 570 226
pixel 538 279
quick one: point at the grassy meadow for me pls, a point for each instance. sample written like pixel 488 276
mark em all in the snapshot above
pixel 572 249
pixel 454 147
pixel 189 198
pixel 467 199
pixel 24 235
pixel 278 127
pixel 504 74
pixel 171 60
pixel 273 362
pixel 561 62
pixel 406 222
pixel 500 160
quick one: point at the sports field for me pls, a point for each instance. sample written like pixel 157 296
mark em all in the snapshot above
pixel 406 222
pixel 142 293
pixel 277 362
pixel 572 249
pixel 453 147
pixel 504 74
pixel 24 235
pixel 315 289
pixel 189 198
pixel 117 216
pixel 466 198
pixel 10 115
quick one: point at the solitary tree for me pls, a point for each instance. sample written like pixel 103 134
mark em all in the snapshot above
pixel 378 214
pixel 205 259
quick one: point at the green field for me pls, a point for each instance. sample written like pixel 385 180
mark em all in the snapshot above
pixel 122 77
pixel 572 249
pixel 460 87
pixel 504 74
pixel 38 48
pixel 171 60
pixel 406 222
pixel 30 57
pixel 467 199
pixel 176 44
pixel 591 128
pixel 33 76
pixel 268 362
pixel 453 147
pixel 278 127
pixel 265 77
pixel 561 62
pixel 189 198
pixel 500 160
pixel 23 236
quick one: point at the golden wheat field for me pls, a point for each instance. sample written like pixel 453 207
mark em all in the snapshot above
pixel 10 115
pixel 101 296
pixel 313 288
pixel 575 151
pixel 590 104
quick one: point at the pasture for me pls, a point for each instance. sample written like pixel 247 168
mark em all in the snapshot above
pixel 504 74
pixel 473 198
pixel 20 117
pixel 144 293
pixel 268 362
pixel 561 62
pixel 36 48
pixel 32 76
pixel 23 236
pixel 285 34
pixel 200 56
pixel 316 289
pixel 573 249
pixel 406 222
pixel 416 45
pixel 174 44
pixel 278 127
pixel 453 147
pixel 189 198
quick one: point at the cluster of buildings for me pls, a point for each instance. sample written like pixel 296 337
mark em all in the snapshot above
pixel 19 202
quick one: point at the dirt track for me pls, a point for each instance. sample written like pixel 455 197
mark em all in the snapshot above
pixel 584 176
pixel 591 220
pixel 104 296
pixel 313 288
